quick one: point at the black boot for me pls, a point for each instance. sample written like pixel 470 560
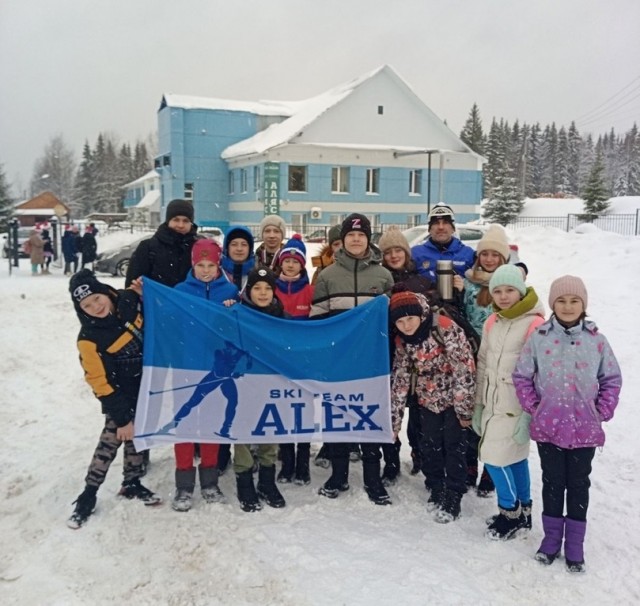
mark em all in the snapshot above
pixel 287 456
pixel 391 454
pixel 209 488
pixel 267 488
pixel 506 524
pixel 185 484
pixel 376 491
pixel 247 492
pixel 436 498
pixel 224 456
pixel 339 480
pixel 450 509
pixel 302 465
pixel 85 506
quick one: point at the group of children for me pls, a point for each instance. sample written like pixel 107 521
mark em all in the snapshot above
pixel 557 380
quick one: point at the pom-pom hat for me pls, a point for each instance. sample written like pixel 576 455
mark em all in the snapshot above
pixel 404 303
pixel 294 249
pixel 508 275
pixel 205 250
pixel 567 286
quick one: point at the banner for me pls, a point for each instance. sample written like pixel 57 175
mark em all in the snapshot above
pixel 224 375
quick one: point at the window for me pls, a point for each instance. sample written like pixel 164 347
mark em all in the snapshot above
pixel 373 180
pixel 188 191
pixel 415 182
pixel 380 110
pixel 156 163
pixel 166 160
pixel 413 220
pixel 256 178
pixel 243 180
pixel 299 223
pixel 340 180
pixel 297 178
pixel 231 182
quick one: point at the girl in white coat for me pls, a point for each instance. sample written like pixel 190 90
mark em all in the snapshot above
pixel 498 419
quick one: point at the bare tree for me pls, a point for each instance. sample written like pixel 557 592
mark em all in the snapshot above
pixel 55 170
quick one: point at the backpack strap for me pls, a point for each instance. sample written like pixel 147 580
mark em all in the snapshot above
pixel 538 320
pixel 490 321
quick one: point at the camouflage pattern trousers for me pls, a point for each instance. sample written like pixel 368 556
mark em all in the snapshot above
pixel 106 452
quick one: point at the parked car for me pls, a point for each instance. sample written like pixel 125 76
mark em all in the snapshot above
pixel 469 233
pixel 318 236
pixel 213 233
pixel 23 236
pixel 116 260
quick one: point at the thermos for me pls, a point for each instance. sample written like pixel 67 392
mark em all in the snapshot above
pixel 445 273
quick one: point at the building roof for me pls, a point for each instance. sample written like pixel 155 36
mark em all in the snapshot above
pixel 260 108
pixel 152 174
pixel 43 201
pixel 149 199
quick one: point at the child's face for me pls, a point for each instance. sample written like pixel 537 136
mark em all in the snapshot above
pixel 506 296
pixel 568 308
pixel 97 305
pixel 180 224
pixel 272 238
pixel 238 250
pixel 395 257
pixel 261 294
pixel 205 270
pixel 355 243
pixel 291 267
pixel 408 324
pixel 490 260
pixel 336 246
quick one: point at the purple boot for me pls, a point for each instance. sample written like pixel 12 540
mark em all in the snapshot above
pixel 573 544
pixel 552 542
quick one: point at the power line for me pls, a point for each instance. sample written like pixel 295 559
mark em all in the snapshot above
pixel 595 109
pixel 608 112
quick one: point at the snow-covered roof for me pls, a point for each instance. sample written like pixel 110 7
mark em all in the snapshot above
pixel 260 108
pixel 153 173
pixel 307 112
pixel 149 199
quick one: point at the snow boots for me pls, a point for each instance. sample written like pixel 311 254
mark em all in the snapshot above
pixel 436 498
pixel 247 492
pixel 574 531
pixel 185 484
pixel 552 542
pixel 133 489
pixel 287 456
pixel 506 523
pixel 85 506
pixel 209 488
pixel 373 483
pixel 322 460
pixel 302 465
pixel 450 508
pixel 267 489
pixel 391 453
pixel 339 480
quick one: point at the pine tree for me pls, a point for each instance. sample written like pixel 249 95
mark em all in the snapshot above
pixel 472 133
pixel 6 202
pixel 633 179
pixel 595 193
pixel 141 160
pixel 506 201
pixel 84 185
pixel 562 163
pixel 574 159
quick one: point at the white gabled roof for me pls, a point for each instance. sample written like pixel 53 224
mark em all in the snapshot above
pixel 146 177
pixel 260 108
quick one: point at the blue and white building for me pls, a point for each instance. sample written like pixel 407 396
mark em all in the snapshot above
pixel 142 199
pixel 370 146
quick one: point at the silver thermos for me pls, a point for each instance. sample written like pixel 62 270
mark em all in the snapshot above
pixel 445 273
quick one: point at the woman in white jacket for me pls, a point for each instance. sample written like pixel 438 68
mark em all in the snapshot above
pixel 498 419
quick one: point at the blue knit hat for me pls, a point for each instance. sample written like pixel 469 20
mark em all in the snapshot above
pixel 294 249
pixel 508 275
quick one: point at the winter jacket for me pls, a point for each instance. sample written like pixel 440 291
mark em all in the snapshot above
pixel 296 295
pixel 502 342
pixel 89 247
pixel 323 259
pixel 165 257
pixel 425 257
pixel 440 364
pixel 569 381
pixel 217 290
pixel 37 248
pixel 266 259
pixel 274 309
pixel 111 355
pixel 69 247
pixel 350 282
pixel 475 314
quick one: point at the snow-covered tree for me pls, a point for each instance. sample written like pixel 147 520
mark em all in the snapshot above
pixel 506 200
pixel 84 194
pixel 6 202
pixel 595 193
pixel 472 133
pixel 54 171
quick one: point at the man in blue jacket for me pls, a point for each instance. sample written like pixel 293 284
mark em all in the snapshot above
pixel 442 245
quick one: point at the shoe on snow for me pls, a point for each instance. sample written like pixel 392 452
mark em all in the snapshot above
pixel 85 506
pixel 546 558
pixel 135 490
pixel 575 566
pixel 302 479
pixel 182 501
pixel 506 524
pixel 379 497
pixel 213 494
pixel 331 492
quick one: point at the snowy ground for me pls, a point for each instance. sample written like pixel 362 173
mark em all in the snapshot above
pixel 315 551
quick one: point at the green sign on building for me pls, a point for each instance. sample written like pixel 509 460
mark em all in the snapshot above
pixel 271 188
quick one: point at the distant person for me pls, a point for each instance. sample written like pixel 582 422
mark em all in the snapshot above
pixel 568 379
pixel 34 246
pixel 273 231
pixel 237 255
pixel 47 251
pixel 110 346
pixel 69 251
pixel 94 230
pixel 89 248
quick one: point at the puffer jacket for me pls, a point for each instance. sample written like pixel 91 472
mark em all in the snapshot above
pixel 217 290
pixel 441 367
pixel 425 257
pixel 476 314
pixel 350 282
pixel 502 342
pixel 569 381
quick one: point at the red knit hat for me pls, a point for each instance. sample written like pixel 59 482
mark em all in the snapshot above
pixel 205 250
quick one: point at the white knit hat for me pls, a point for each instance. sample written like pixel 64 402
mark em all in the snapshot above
pixel 495 238
pixel 394 238
pixel 274 220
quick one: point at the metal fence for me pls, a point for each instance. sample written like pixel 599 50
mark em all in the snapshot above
pixel 623 224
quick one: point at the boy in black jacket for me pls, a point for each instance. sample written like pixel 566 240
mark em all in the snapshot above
pixel 110 346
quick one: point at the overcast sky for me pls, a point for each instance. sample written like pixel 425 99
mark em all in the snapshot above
pixel 80 67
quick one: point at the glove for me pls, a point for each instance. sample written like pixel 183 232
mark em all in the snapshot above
pixel 521 432
pixel 477 418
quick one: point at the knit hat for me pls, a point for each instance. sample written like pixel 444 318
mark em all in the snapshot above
pixel 356 222
pixel 294 249
pixel 508 275
pixel 83 284
pixel 179 208
pixel 394 238
pixel 441 211
pixel 334 234
pixel 238 231
pixel 568 285
pixel 495 238
pixel 275 221
pixel 260 274
pixel 205 250
pixel 404 303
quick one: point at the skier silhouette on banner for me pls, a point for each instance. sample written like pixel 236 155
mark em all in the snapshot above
pixel 223 376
